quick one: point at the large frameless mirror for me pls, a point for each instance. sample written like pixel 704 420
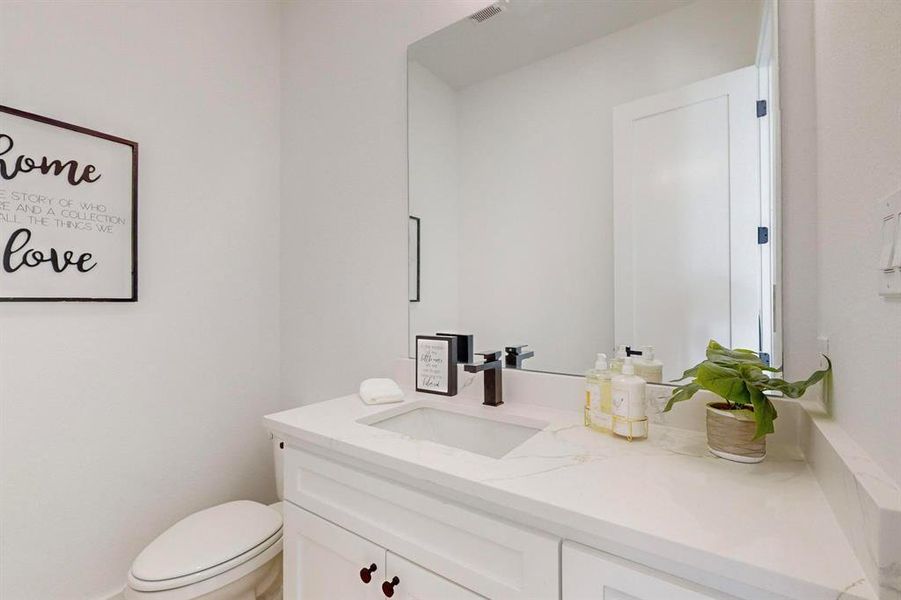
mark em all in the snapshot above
pixel 590 174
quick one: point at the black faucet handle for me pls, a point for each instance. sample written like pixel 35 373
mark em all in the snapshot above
pixel 514 350
pixel 490 356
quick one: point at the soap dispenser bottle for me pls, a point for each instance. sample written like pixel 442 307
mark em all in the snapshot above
pixel 629 415
pixel 598 395
pixel 647 367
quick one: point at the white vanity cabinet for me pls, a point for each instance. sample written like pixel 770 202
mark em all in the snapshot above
pixel 590 574
pixel 322 560
pixel 339 519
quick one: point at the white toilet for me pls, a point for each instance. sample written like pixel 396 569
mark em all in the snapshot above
pixel 228 552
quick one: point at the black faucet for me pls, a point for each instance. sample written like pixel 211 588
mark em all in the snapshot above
pixel 515 356
pixel 494 391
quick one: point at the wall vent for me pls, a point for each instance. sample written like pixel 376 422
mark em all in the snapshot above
pixel 486 13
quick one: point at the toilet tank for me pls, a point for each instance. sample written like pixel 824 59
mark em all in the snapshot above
pixel 278 454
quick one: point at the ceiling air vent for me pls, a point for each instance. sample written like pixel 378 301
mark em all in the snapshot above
pixel 486 13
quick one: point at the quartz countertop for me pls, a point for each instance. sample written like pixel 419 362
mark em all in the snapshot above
pixel 767 526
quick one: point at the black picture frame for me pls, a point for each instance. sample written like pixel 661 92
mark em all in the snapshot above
pixel 134 205
pixel 450 362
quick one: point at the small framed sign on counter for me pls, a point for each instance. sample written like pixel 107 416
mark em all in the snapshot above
pixel 436 365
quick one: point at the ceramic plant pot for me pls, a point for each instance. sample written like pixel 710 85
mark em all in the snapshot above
pixel 730 434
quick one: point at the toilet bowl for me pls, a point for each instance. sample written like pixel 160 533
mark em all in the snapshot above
pixel 232 551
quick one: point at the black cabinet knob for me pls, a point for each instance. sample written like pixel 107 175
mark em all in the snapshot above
pixel 366 573
pixel 388 586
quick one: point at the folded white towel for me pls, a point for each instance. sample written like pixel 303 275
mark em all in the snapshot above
pixel 380 391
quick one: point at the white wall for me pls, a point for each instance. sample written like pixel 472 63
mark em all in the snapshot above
pixel 344 198
pixel 118 419
pixel 434 180
pixel 857 53
pixel 842 153
pixel 535 192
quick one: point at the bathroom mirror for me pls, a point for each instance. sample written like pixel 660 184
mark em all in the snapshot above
pixel 586 174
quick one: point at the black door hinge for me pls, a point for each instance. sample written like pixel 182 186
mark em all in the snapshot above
pixel 765 358
pixel 763 235
pixel 761 108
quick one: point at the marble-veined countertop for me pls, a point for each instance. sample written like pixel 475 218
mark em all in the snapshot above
pixel 767 526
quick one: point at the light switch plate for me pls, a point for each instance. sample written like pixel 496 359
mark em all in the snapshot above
pixel 889 267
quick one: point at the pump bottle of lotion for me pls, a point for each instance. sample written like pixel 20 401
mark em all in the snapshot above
pixel 598 404
pixel 628 393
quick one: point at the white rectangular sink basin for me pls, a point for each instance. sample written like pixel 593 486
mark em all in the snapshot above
pixel 458 427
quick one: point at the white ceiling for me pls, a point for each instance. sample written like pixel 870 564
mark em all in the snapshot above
pixel 524 32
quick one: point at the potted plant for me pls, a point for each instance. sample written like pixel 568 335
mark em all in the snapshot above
pixel 738 422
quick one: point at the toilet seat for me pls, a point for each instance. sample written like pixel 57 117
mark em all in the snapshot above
pixel 207 544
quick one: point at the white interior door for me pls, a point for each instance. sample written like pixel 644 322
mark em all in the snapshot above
pixel 686 210
pixel 322 560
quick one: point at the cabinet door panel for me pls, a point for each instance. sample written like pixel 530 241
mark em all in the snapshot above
pixel 322 560
pixel 590 574
pixel 491 556
pixel 417 583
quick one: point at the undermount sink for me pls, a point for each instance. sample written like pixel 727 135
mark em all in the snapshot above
pixel 455 427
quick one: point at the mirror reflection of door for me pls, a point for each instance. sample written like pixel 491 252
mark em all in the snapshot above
pixel 685 205
pixel 591 174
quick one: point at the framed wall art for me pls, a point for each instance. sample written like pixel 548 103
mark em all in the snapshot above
pixel 68 212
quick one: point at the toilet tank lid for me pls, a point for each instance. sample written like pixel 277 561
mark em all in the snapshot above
pixel 206 539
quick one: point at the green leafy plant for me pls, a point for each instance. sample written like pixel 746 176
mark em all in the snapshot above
pixel 740 378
